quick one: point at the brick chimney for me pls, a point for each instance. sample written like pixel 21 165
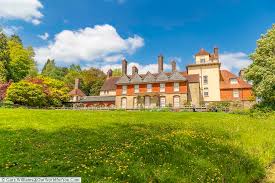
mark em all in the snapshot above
pixel 134 70
pixel 216 52
pixel 109 73
pixel 76 83
pixel 124 67
pixel 160 63
pixel 241 74
pixel 174 66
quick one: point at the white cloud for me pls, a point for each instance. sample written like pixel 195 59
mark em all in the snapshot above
pixel 10 30
pixel 27 10
pixel 90 45
pixel 44 36
pixel 234 61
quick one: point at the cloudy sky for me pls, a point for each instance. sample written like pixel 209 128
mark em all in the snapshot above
pixel 99 33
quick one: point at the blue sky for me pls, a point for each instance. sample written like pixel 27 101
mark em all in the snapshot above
pixel 100 33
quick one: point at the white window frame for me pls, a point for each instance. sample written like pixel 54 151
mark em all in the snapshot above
pixel 206 92
pixel 160 101
pixel 136 88
pixel 176 87
pixel 149 87
pixel 147 101
pixel 176 105
pixel 233 81
pixel 124 89
pixel 162 87
pixel 205 80
pixel 236 93
pixel 203 60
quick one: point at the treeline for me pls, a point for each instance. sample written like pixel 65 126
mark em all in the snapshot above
pixel 25 85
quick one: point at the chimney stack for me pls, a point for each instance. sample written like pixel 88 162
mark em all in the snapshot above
pixel 241 73
pixel 109 73
pixel 134 70
pixel 76 83
pixel 160 63
pixel 216 52
pixel 124 67
pixel 174 66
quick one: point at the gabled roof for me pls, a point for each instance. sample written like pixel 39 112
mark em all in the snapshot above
pixel 225 81
pixel 162 77
pixel 123 80
pixel 175 76
pixel 149 77
pixel 109 84
pixel 77 92
pixel 202 52
pixel 136 78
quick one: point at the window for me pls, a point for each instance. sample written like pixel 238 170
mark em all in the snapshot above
pixel 124 103
pixel 233 81
pixel 205 92
pixel 162 87
pixel 176 87
pixel 147 102
pixel 124 89
pixel 176 101
pixel 149 87
pixel 136 88
pixel 205 80
pixel 202 60
pixel 162 102
pixel 236 93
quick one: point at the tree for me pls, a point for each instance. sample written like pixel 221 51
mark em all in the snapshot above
pixel 117 72
pixel 22 63
pixel 92 80
pixel 262 71
pixel 4 58
pixel 51 70
pixel 74 72
pixel 38 91
pixel 26 93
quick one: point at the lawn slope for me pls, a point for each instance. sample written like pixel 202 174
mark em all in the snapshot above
pixel 136 146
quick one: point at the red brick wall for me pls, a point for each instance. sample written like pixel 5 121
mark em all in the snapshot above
pixel 169 88
pixel 88 104
pixel 244 94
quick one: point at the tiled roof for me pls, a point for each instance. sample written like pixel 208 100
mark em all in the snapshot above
pixel 98 99
pixel 77 92
pixel 110 84
pixel 202 52
pixel 225 81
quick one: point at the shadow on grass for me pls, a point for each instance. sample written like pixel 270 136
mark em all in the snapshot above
pixel 130 152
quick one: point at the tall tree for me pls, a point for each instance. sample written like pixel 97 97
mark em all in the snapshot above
pixel 262 71
pixel 22 63
pixel 74 72
pixel 51 70
pixel 4 58
pixel 92 80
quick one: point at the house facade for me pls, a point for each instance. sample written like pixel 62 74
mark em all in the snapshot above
pixel 203 82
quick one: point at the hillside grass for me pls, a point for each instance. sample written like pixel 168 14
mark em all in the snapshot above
pixel 136 146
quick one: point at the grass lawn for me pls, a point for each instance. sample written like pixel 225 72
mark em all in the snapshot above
pixel 136 146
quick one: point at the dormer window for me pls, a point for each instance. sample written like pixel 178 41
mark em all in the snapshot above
pixel 233 81
pixel 202 60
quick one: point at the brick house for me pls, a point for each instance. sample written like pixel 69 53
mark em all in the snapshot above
pixel 201 83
